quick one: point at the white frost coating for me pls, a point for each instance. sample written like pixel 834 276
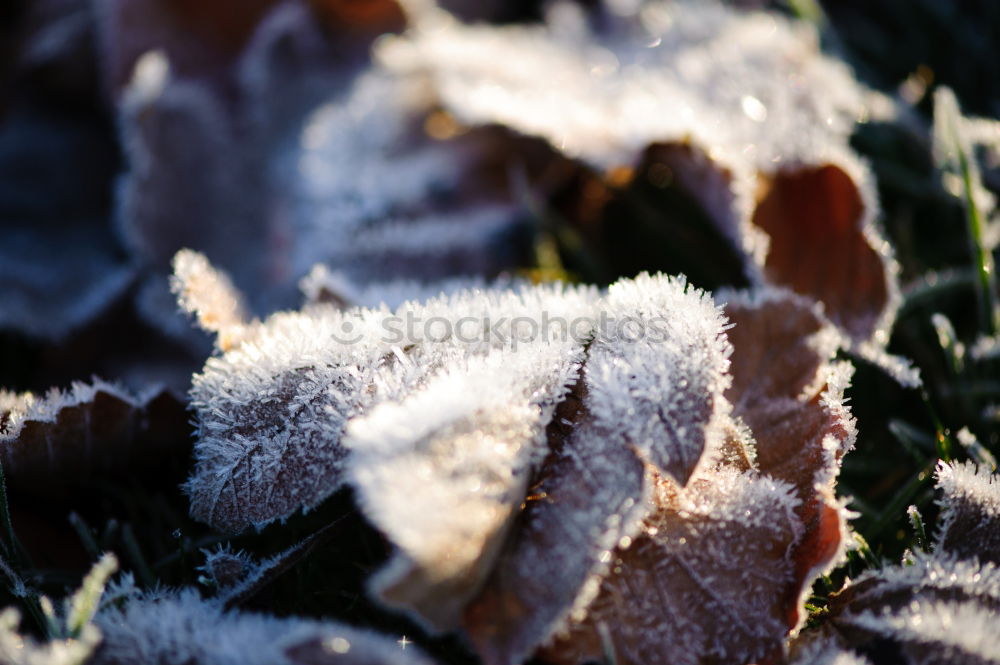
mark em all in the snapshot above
pixel 657 370
pixel 23 407
pixel 970 511
pixel 966 482
pixel 700 583
pixel 179 628
pixel 684 72
pixel 443 472
pixel 939 630
pixel 272 410
pixel 751 91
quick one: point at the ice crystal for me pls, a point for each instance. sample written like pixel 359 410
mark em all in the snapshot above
pixel 648 392
pixel 970 512
pixel 938 609
pixel 695 83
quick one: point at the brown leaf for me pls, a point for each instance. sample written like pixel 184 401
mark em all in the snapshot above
pixel 817 220
pixel 970 512
pixel 590 497
pixel 791 397
pixel 91 430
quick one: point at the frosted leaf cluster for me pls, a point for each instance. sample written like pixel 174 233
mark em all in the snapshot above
pixel 274 408
pixel 740 110
pixel 582 462
pixel 938 606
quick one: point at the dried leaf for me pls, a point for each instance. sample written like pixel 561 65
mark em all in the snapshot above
pixel 590 497
pixel 934 609
pixel 823 245
pixel 92 429
pixel 700 582
pixel 469 439
pixel 970 512
pixel 271 411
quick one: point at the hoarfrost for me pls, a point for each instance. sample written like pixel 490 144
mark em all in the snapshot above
pixel 92 428
pixel 970 512
pixel 275 406
pixel 656 373
pixel 936 607
pixel 470 439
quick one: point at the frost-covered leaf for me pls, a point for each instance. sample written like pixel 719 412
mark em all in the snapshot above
pixel 736 555
pixel 934 609
pixel 786 388
pixel 178 628
pixel 572 559
pixel 656 373
pixel 703 581
pixel 271 411
pixel 468 440
pixel 768 162
pixel 91 429
pixel 659 360
pixel 790 394
pixel 449 416
pixel 589 497
pixel 970 512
